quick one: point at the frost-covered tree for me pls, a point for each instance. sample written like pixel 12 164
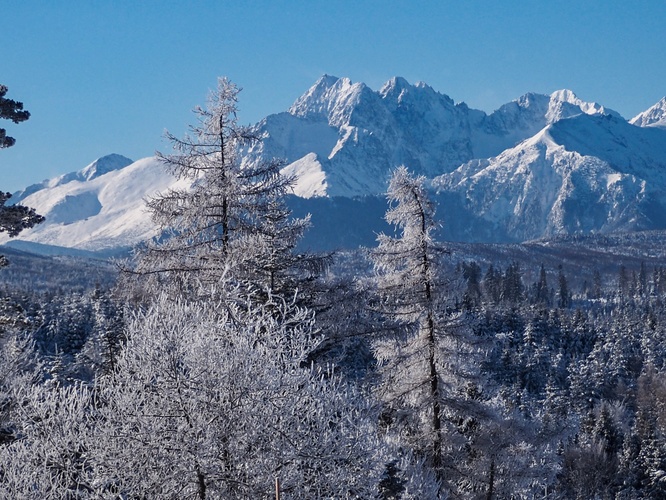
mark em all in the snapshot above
pixel 106 337
pixel 54 454
pixel 19 370
pixel 406 279
pixel 229 219
pixel 205 404
pixel 436 401
pixel 424 358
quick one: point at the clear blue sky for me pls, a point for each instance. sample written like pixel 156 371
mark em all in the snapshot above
pixel 102 76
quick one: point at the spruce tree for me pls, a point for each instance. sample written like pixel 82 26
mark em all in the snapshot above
pixel 564 295
pixel 542 290
pixel 13 218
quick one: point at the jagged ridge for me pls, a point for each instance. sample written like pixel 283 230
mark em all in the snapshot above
pixel 540 165
pixel 352 137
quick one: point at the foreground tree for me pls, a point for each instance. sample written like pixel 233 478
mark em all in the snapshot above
pixel 406 278
pixel 218 405
pixel 53 456
pixel 10 110
pixel 13 218
pixel 200 404
pixel 435 399
pixel 230 218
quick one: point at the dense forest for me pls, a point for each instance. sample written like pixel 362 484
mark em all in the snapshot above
pixel 224 361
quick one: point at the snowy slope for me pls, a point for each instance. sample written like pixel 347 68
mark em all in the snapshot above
pixel 347 138
pixel 97 210
pixel 655 116
pixel 584 174
pixel 99 167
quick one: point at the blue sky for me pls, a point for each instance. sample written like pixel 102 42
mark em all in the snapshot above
pixel 102 76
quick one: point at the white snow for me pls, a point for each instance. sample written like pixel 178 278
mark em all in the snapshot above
pixel 586 173
pixel 655 116
pixel 612 179
pixel 309 175
pixel 105 212
pixel 539 165
pixel 559 97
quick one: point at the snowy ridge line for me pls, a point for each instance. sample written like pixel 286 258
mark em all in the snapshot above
pixel 539 166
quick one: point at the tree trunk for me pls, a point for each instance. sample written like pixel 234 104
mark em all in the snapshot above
pixel 434 376
pixel 491 479
pixel 434 394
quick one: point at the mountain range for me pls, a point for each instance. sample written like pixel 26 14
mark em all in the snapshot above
pixel 539 166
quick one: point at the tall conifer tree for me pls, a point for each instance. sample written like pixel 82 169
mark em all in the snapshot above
pixel 406 276
pixel 229 221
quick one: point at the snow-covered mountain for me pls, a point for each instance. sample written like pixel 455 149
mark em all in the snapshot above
pixel 344 138
pixel 98 208
pixel 99 167
pixel 655 116
pixel 579 175
pixel 540 165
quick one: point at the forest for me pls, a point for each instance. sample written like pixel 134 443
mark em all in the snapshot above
pixel 222 360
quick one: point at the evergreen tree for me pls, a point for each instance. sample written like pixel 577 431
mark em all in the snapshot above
pixel 16 218
pixel 563 294
pixel 492 283
pixel 623 282
pixel 408 284
pixel 596 284
pixel 542 294
pixel 642 281
pixel 231 219
pixel 10 110
pixel 107 336
pixel 13 218
pixel 512 284
pixel 472 274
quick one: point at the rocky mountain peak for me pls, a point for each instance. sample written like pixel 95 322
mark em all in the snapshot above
pixel 564 103
pixel 539 165
pixel 655 116
pixel 330 98
pixel 103 165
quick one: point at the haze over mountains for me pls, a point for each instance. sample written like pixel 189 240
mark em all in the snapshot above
pixel 541 165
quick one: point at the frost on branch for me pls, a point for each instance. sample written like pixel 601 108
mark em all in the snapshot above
pixel 231 221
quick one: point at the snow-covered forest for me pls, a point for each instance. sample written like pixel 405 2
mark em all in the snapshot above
pixel 222 361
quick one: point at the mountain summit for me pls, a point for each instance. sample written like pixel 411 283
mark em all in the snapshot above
pixel 344 138
pixel 540 165
pixel 98 208
pixel 99 167
pixel 583 174
pixel 655 116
